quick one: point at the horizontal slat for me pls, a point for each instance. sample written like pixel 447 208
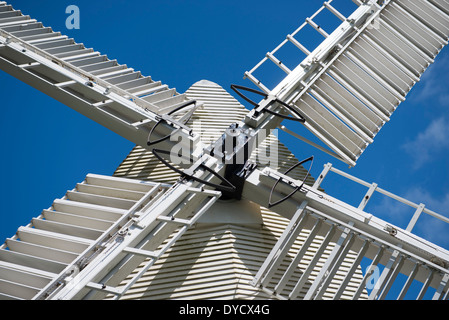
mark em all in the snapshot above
pixel 160 96
pixel 15 21
pixel 42 36
pixel 397 95
pixel 354 107
pixel 14 289
pixel 7 272
pixel 143 87
pixel 87 233
pixel 427 14
pixel 387 70
pixel 31 32
pixel 8 297
pixel 51 37
pixel 76 220
pixel 100 65
pixel 41 251
pixel 31 261
pixel 399 47
pixel 8 14
pixel 134 83
pixel 414 18
pixel 81 55
pixel 359 96
pixel 358 136
pixel 100 200
pixel 53 240
pixel 321 118
pixel 120 183
pixel 112 72
pixel 341 112
pixel 88 61
pixel 123 78
pixel 412 29
pixel 110 192
pixel 116 69
pixel 170 101
pixel 88 210
pixel 24 26
pixel 148 89
pixel 64 49
pixel 54 44
pixel 365 84
pixel 400 64
pixel 73 53
pixel 31 275
pixel 442 5
pixel 4 8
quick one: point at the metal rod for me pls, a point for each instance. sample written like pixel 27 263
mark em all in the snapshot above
pixel 384 277
pixel 409 281
pixel 327 5
pixel 279 46
pixel 392 277
pixel 441 288
pixel 391 195
pixel 355 265
pixel 278 63
pixel 298 44
pixel 317 27
pixel 248 74
pixel 415 217
pixel 294 134
pixel 323 175
pixel 256 82
pixel 426 285
pixel 367 196
pixel 368 275
pixel 331 265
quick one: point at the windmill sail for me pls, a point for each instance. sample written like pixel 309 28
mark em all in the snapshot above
pixel 351 84
pixel 112 94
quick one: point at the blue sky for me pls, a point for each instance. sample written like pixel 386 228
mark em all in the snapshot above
pixel 48 148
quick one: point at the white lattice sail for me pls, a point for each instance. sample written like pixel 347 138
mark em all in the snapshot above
pixel 350 85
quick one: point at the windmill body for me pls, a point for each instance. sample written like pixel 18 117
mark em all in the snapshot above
pixel 166 225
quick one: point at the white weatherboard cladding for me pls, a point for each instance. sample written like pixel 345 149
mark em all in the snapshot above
pixel 219 256
pixel 219 262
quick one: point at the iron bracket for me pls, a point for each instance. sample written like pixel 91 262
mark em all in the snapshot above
pixel 295 187
pixel 177 124
pixel 265 105
pixel 225 185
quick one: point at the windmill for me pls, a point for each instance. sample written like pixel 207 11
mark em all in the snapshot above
pixel 105 235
